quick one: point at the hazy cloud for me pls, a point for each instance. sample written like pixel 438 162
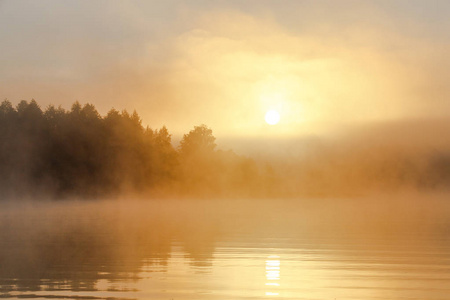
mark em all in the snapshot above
pixel 223 63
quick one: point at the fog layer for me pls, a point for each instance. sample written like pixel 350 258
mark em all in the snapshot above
pixel 78 153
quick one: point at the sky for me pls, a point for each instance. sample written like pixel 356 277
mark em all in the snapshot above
pixel 323 65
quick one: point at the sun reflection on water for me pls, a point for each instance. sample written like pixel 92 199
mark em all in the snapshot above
pixel 273 275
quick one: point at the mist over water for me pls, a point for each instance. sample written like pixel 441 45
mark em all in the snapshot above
pixel 124 213
pixel 388 247
pixel 58 153
pixel 225 149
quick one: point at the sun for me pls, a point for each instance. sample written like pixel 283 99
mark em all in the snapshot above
pixel 272 117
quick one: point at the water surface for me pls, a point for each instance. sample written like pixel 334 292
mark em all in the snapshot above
pixel 302 249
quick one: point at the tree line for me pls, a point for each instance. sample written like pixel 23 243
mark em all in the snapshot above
pixel 79 153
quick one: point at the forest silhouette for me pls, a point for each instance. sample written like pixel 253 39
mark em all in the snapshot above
pixel 78 153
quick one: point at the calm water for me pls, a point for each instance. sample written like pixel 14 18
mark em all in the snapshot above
pixel 328 249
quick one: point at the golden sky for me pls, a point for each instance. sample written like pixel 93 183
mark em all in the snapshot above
pixel 323 65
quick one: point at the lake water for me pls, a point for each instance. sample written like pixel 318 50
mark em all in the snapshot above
pixel 378 248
